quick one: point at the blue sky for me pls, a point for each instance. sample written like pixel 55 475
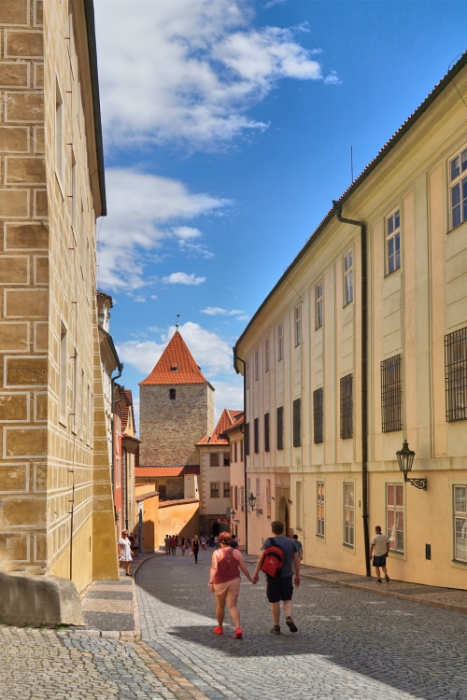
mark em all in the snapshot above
pixel 227 131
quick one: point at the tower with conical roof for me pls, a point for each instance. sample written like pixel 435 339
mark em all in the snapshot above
pixel 176 409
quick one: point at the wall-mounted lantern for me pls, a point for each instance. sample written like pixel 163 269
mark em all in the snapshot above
pixel 405 458
pixel 252 501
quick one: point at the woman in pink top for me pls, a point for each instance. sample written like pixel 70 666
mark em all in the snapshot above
pixel 224 581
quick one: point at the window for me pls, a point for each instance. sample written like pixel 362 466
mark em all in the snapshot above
pixel 242 498
pixel 318 400
pixel 226 489
pixel 349 514
pixel 320 508
pixel 59 160
pixel 319 305
pixel 460 523
pixel 266 355
pixel 247 375
pixel 298 504
pixel 235 451
pixel 455 346
pixel 280 428
pixel 256 434
pixel 235 502
pixel 74 393
pixel 247 438
pixel 266 432
pixel 214 489
pixel 393 242
pixel 280 341
pixel 172 394
pixel 348 278
pixel 174 368
pixel 226 459
pixel 256 365
pixel 241 450
pixel 346 407
pixel 74 190
pixel 458 188
pixel 297 428
pixel 268 498
pixel 214 459
pixel 298 324
pixel 63 375
pixel 391 394
pixel 258 494
pixel 395 516
pixel 89 417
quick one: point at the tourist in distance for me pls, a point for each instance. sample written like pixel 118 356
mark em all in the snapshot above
pixel 195 548
pixel 124 551
pixel 224 581
pixel 173 544
pixel 299 547
pixel 280 587
pixel 167 544
pixel 379 551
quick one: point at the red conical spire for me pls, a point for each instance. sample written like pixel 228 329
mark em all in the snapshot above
pixel 176 365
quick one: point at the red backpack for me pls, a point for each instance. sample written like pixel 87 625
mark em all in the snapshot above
pixel 273 559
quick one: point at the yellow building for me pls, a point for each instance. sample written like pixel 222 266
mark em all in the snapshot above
pixel 55 488
pixel 362 344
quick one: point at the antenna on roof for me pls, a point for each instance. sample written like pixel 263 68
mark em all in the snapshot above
pixel 177 325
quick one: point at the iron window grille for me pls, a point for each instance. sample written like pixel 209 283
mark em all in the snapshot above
pixel 320 508
pixel 455 346
pixel 280 428
pixel 318 401
pixel 256 434
pixel 391 394
pixel 297 423
pixel 247 438
pixel 266 432
pixel 346 407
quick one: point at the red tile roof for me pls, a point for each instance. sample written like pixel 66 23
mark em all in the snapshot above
pixel 227 420
pixel 176 366
pixel 167 471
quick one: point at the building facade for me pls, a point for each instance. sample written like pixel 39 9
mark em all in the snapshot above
pixel 362 344
pixel 237 479
pixel 55 486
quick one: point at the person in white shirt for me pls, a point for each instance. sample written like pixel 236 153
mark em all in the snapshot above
pixel 124 551
pixel 379 552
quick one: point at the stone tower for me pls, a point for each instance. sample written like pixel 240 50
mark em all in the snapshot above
pixel 176 409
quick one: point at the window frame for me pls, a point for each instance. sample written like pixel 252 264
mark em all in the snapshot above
pixel 268 498
pixel 266 354
pixel 459 515
pixel 299 504
pixel 391 394
pixel 226 489
pixel 226 459
pixel 256 435
pixel 394 235
pixel 297 315
pixel 455 369
pixel 63 376
pixel 349 486
pixel 319 305
pixel 320 508
pixel 256 365
pixel 258 494
pixel 247 439
pixel 297 422
pixel 267 432
pixel 346 406
pixel 59 134
pixel 214 459
pixel 280 341
pixel 348 275
pixel 247 375
pixel 211 490
pixel 172 394
pixel 280 427
pixel 396 509
pixel 318 416
pixel 460 181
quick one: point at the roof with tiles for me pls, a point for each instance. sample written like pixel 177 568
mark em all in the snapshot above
pixel 167 471
pixel 176 366
pixel 227 420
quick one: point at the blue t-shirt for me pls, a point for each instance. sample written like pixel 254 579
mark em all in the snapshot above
pixel 289 549
pixel 299 546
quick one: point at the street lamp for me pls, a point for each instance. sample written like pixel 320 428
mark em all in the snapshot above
pixel 405 458
pixel 232 513
pixel 252 500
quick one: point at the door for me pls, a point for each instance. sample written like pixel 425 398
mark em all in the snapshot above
pixel 140 525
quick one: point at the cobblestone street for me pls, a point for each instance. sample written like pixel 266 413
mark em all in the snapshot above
pixel 351 645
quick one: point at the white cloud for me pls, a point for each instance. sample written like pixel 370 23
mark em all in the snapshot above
pixel 188 71
pixel 139 298
pixel 211 352
pixel 183 278
pixel 332 78
pixel 228 395
pixel 185 235
pixel 144 211
pixel 218 311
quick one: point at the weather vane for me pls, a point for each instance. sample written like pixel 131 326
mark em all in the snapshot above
pixel 177 325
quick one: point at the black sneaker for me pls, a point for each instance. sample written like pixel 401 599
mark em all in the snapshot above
pixel 291 625
pixel 276 629
pixel 378 580
pixel 387 578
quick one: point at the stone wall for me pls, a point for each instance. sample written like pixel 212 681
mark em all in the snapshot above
pixel 170 429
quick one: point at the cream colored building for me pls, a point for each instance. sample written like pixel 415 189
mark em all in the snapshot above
pixel 362 344
pixel 55 488
pixel 237 479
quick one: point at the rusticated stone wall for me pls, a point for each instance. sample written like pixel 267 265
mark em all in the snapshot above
pixel 170 428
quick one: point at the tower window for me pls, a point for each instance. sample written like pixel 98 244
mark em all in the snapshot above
pixel 172 394
pixel 174 368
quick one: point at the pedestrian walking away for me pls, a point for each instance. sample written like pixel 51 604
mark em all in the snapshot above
pixel 299 547
pixel 379 551
pixel 234 542
pixel 224 581
pixel 183 545
pixel 167 544
pixel 195 548
pixel 280 587
pixel 124 551
pixel 173 544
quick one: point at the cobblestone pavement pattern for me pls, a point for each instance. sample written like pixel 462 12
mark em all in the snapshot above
pixel 351 645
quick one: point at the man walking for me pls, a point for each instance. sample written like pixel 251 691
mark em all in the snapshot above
pixel 299 547
pixel 167 544
pixel 280 588
pixel 380 548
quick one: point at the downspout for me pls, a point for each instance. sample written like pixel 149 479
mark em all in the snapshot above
pixel 236 357
pixel 364 370
pixel 112 387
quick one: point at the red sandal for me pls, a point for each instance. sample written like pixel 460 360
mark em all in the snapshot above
pixel 238 633
pixel 218 630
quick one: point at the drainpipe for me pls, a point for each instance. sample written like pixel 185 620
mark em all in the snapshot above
pixel 112 403
pixel 364 370
pixel 236 357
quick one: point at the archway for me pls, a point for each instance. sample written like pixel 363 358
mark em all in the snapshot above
pixel 283 515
